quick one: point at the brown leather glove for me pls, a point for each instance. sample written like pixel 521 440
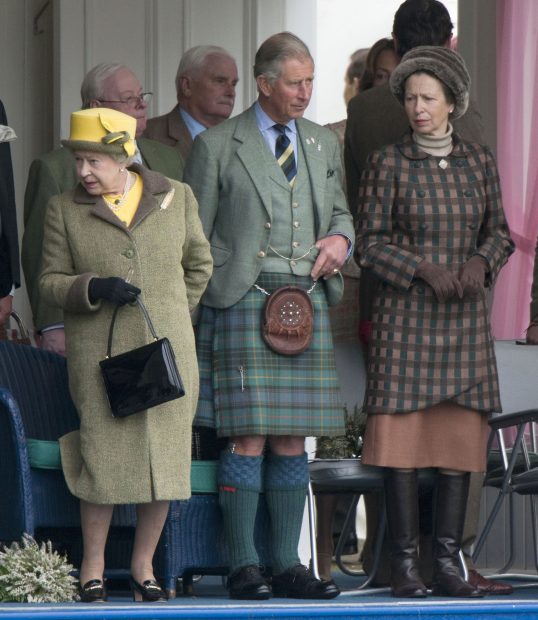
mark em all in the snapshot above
pixel 473 276
pixel 444 283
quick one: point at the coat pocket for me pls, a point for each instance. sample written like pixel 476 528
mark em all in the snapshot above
pixel 220 255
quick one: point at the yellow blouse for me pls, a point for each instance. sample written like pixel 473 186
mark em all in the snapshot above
pixel 126 211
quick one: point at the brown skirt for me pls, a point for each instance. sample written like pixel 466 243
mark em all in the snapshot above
pixel 446 435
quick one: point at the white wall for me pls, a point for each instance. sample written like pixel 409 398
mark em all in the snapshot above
pixel 344 26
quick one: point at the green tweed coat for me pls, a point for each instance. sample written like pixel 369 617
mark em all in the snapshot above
pixel 147 455
pixel 227 172
pixel 412 208
pixel 54 173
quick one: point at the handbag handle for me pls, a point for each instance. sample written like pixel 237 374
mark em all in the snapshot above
pixel 113 321
pixel 20 324
pixel 24 333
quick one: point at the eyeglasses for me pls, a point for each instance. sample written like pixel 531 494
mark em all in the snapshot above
pixel 132 101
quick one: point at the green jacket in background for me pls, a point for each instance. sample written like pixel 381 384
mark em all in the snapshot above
pixel 55 173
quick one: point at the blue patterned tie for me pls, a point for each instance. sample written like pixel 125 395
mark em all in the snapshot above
pixel 284 154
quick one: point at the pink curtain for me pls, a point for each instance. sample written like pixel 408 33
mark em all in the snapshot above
pixel 517 149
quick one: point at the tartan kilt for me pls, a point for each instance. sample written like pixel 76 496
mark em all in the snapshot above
pixel 247 389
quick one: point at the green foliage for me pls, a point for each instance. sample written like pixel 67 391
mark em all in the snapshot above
pixel 344 446
pixel 32 573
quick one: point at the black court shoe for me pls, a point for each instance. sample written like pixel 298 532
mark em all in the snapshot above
pixel 148 592
pixel 93 591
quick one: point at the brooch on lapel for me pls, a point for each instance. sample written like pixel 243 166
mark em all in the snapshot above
pixel 167 199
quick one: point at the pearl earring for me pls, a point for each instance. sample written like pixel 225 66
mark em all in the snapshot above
pixel 122 170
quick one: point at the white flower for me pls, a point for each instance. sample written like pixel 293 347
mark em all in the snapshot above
pixel 35 574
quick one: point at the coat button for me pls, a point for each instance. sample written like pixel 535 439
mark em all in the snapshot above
pixel 421 193
pixel 129 253
pixel 295 205
pixel 267 224
pixel 468 193
pixel 296 244
pixel 293 263
pixel 261 254
pixel 296 224
pixel 423 226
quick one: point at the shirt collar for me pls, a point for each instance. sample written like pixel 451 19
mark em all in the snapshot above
pixel 194 126
pixel 265 122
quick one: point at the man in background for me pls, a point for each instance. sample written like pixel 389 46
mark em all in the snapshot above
pixel 205 85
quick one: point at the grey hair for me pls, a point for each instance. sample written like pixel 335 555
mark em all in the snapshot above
pixel 121 158
pixel 275 50
pixel 92 84
pixel 193 59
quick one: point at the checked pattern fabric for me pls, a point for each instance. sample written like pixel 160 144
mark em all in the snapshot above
pixel 284 154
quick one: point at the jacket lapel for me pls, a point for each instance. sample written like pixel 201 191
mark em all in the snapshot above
pixel 251 153
pixel 316 163
pixel 179 132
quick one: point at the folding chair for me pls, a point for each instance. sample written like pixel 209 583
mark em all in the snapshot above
pixel 518 474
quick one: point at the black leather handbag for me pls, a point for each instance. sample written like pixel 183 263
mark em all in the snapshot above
pixel 141 378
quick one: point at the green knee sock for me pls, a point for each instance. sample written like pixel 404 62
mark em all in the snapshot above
pixel 286 485
pixel 239 492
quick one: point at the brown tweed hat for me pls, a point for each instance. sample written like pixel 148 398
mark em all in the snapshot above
pixel 446 65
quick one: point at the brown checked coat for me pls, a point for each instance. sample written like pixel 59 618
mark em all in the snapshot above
pixel 410 208
pixel 145 456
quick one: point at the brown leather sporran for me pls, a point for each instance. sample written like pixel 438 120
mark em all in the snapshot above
pixel 288 320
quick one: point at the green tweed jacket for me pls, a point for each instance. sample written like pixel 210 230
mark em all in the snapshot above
pixel 227 172
pixel 52 174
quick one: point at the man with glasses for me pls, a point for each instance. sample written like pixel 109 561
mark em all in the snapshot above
pixel 106 85
pixel 205 88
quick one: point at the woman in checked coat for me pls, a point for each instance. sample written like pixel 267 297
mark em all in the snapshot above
pixel 123 231
pixel 432 228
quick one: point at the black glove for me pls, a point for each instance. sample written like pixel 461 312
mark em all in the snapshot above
pixel 115 290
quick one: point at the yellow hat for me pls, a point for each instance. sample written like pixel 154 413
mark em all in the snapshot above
pixel 103 130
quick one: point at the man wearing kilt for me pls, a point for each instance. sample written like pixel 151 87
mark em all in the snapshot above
pixel 268 183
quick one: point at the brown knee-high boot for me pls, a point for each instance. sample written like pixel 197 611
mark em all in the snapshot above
pixel 401 490
pixel 450 507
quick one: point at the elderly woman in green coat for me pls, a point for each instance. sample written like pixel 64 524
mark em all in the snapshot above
pixel 123 231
